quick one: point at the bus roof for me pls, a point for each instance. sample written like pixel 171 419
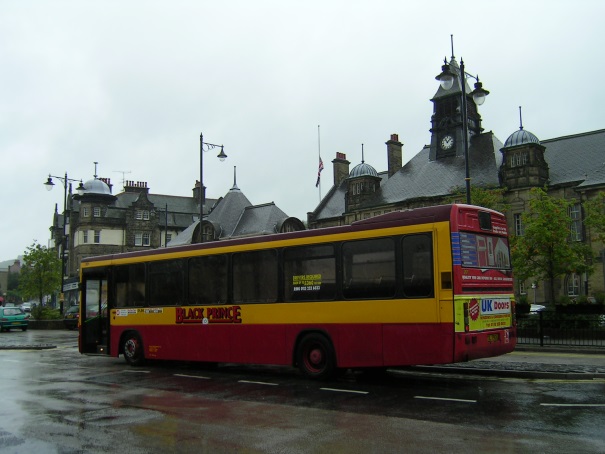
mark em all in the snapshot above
pixel 414 216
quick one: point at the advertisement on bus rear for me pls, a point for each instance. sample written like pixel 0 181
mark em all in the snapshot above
pixel 483 313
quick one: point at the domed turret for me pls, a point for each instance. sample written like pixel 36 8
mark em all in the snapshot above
pixel 96 187
pixel 523 163
pixel 520 137
pixel 362 170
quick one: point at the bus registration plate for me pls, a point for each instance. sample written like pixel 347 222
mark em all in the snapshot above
pixel 491 338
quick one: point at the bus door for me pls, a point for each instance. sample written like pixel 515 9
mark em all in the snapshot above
pixel 94 312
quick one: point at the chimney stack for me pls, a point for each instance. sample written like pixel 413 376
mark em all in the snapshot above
pixel 341 168
pixel 394 154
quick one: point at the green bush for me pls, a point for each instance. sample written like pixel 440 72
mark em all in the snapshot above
pixel 522 299
pixel 564 300
pixel 45 313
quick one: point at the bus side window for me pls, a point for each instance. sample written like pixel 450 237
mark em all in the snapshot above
pixel 369 269
pixel 310 273
pixel 208 281
pixel 417 266
pixel 130 285
pixel 166 281
pixel 255 277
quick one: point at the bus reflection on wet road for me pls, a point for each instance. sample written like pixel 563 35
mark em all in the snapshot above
pixel 56 400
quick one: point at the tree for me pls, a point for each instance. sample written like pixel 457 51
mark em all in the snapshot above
pixel 595 216
pixel 492 198
pixel 544 251
pixel 40 272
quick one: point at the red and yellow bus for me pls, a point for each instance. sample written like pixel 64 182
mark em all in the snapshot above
pixel 426 286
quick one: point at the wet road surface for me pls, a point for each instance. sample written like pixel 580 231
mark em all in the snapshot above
pixel 56 400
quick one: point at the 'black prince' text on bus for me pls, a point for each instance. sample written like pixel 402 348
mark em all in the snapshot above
pixel 208 315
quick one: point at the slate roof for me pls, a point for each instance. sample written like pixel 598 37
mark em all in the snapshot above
pixel 578 159
pixel 234 216
pixel 228 211
pixel 259 219
pixel 422 177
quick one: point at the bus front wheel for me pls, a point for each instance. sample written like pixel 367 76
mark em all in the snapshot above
pixel 315 357
pixel 133 349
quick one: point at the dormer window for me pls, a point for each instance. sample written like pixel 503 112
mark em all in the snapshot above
pixel 142 215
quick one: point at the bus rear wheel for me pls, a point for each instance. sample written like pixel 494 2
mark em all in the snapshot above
pixel 315 357
pixel 133 349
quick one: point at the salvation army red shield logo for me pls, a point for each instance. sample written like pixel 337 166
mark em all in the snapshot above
pixel 473 309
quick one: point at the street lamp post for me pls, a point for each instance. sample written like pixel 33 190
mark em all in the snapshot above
pixel 222 156
pixel 64 236
pixel 446 78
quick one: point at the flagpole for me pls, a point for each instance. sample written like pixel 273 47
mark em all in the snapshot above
pixel 319 155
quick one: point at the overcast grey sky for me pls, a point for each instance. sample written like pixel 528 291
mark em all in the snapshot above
pixel 131 84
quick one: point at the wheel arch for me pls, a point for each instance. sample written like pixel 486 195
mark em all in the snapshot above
pixel 302 334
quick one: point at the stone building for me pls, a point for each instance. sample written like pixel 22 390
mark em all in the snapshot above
pixel 571 167
pixel 97 222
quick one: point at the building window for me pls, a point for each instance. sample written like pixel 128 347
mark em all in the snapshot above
pixel 522 290
pixel 518 159
pixel 85 212
pixel 96 212
pixel 572 285
pixel 207 232
pixel 85 236
pixel 141 215
pixel 518 224
pixel 97 236
pixel 575 226
pixel 142 239
pixel 168 238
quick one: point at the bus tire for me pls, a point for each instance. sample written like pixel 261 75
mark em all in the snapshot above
pixel 315 357
pixel 132 347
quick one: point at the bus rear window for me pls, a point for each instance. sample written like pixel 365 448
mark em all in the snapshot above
pixel 485 220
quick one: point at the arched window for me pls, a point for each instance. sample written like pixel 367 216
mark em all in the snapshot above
pixel 572 284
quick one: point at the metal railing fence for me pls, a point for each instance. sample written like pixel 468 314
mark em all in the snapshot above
pixel 551 328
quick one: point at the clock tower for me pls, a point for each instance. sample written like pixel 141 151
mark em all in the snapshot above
pixel 446 121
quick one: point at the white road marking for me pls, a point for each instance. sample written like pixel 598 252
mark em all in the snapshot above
pixel 192 376
pixel 470 401
pixel 573 405
pixel 352 391
pixel 257 382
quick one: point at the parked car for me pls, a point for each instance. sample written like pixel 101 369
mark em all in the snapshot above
pixel 13 317
pixel 535 308
pixel 71 318
pixel 27 306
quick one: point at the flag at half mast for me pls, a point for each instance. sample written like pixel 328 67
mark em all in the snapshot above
pixel 321 167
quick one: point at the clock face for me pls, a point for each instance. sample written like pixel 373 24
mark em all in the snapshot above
pixel 447 142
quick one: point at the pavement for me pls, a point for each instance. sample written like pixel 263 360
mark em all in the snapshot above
pixel 527 361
